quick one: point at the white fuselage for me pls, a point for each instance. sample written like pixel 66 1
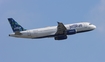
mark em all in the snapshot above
pixel 50 31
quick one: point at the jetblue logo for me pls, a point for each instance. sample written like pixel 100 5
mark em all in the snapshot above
pixel 17 28
pixel 75 26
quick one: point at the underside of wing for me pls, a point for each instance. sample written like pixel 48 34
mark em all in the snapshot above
pixel 61 32
pixel 61 29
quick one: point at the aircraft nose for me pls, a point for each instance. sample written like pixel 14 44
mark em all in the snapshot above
pixel 94 27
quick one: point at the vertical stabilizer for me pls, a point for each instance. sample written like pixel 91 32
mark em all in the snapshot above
pixel 15 26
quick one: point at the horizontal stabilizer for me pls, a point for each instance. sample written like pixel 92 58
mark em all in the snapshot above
pixel 18 33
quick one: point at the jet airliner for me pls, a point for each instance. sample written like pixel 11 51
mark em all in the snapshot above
pixel 59 32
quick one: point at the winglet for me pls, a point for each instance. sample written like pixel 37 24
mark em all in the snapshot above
pixel 58 22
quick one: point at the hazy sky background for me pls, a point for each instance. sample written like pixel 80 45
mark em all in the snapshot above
pixel 84 47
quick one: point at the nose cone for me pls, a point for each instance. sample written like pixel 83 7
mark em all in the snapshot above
pixel 93 27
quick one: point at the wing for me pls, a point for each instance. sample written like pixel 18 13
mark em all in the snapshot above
pixel 61 29
pixel 61 32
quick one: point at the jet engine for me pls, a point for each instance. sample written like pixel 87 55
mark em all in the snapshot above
pixel 61 37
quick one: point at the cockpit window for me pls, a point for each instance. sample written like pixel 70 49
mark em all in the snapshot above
pixel 90 24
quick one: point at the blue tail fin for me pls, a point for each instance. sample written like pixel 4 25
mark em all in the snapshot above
pixel 15 26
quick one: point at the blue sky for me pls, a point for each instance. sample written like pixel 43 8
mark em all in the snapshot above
pixel 84 47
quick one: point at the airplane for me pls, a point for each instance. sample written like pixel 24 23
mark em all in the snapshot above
pixel 59 32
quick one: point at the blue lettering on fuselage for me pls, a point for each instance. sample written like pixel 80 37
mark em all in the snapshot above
pixel 75 26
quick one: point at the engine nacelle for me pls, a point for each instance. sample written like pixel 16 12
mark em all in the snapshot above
pixel 72 31
pixel 60 37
